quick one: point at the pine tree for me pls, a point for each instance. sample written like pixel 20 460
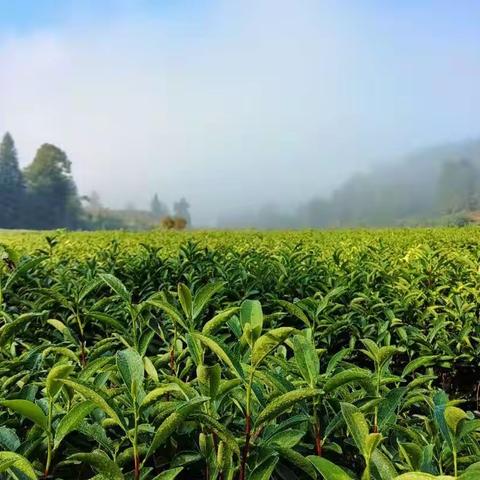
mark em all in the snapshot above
pixel 157 208
pixel 11 185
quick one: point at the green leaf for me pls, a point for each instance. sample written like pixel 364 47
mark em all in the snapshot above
pixel 386 353
pixel 329 470
pixel 357 426
pixel 218 321
pixel 97 433
pixel 296 311
pixel 222 352
pixel 423 476
pixel 172 422
pixel 372 349
pixel 117 286
pixel 72 420
pixel 166 428
pixel 88 288
pixel 220 430
pixel 389 406
pixel 384 466
pixel 336 359
pixel 11 329
pixel 453 416
pixel 465 428
pixel 170 310
pixel 168 474
pixel 264 470
pixel 62 352
pixel 372 440
pixel 144 342
pixel 150 369
pixel 282 403
pixel 346 376
pixel 416 363
pixel 94 367
pixel 98 399
pixel 61 327
pixel 268 342
pixel 185 298
pixel 285 438
pixel 20 463
pixel 24 267
pixel 158 392
pixel 209 379
pixel 29 410
pixel 306 358
pixel 107 320
pixel 6 464
pixel 9 438
pixel 412 454
pixel 440 401
pixel 251 313
pixel 298 460
pixel 130 366
pixel 203 296
pixel 471 473
pixel 195 349
pixel 56 373
pixel 100 462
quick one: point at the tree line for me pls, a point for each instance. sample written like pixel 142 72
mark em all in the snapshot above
pixel 448 193
pixel 44 196
pixel 440 185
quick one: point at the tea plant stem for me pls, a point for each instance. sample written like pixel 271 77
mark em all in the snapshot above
pixel 49 438
pixel 133 315
pixel 136 458
pixel 248 427
pixel 83 356
pixel 375 419
pixel 455 467
pixel 172 351
pixel 316 430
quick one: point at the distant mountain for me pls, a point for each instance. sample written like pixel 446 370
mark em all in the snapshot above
pixel 404 192
pixel 407 192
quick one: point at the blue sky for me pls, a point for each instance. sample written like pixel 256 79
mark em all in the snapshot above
pixel 22 16
pixel 287 97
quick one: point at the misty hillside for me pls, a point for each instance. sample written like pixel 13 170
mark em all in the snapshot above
pixel 406 191
pixel 427 186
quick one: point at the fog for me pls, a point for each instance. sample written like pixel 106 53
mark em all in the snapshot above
pixel 235 104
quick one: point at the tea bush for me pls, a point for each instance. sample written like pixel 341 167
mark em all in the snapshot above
pixel 240 355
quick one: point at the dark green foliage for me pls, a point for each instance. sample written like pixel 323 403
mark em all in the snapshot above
pixel 12 189
pixel 52 194
pixel 44 196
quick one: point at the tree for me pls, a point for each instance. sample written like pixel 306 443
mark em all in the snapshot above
pixel 94 202
pixel 181 210
pixel 52 193
pixel 315 213
pixel 159 210
pixel 457 187
pixel 12 187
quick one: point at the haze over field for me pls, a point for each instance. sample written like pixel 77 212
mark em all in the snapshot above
pixel 235 104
